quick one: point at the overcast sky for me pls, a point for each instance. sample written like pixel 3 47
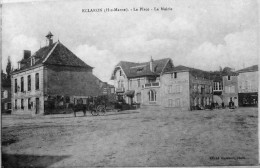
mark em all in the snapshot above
pixel 204 34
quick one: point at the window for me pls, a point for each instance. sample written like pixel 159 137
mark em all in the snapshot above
pixel 195 87
pixel 138 82
pixel 5 106
pixel 218 86
pixel 120 73
pixel 152 96
pixel 9 105
pixel 175 74
pixel 170 89
pixel 177 102
pixel 29 103
pixel 22 106
pixel 2 94
pixel 29 82
pixel 15 87
pixel 178 89
pixel 37 82
pixel 5 94
pixel 229 77
pixel 32 61
pixel 15 104
pixel 140 69
pixel 170 103
pixel 22 84
pixel 112 90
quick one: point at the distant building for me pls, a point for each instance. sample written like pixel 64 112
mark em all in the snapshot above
pixel 230 88
pixel 248 86
pixel 186 88
pixel 159 84
pixel 6 105
pixel 51 78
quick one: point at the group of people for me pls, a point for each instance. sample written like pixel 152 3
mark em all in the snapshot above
pixel 231 105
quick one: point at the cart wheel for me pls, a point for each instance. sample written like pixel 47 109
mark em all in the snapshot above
pixel 94 112
pixel 101 110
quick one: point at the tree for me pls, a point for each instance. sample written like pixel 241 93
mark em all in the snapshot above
pixel 9 69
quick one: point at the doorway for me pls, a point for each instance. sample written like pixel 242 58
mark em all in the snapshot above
pixel 37 106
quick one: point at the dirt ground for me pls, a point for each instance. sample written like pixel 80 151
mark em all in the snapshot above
pixel 132 138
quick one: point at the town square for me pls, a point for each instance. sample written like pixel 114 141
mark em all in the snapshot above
pixel 87 84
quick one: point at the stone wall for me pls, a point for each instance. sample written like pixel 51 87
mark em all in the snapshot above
pixel 175 91
pixel 248 82
pixel 71 81
pixel 26 95
pixel 230 89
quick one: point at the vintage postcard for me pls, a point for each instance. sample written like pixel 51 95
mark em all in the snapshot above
pixel 141 83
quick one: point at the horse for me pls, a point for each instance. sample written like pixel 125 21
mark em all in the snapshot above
pixel 84 108
pixel 79 107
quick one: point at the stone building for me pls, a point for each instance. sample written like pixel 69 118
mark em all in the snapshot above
pixel 230 88
pixel 159 84
pixel 248 86
pixel 140 82
pixel 186 88
pixel 51 78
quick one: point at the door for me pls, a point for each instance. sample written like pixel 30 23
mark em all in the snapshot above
pixel 37 106
pixel 138 97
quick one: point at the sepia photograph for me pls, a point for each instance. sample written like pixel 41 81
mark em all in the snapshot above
pixel 141 83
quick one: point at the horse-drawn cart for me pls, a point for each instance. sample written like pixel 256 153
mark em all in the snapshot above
pixel 97 105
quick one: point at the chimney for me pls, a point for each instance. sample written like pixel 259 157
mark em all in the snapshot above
pixel 49 38
pixel 26 54
pixel 151 65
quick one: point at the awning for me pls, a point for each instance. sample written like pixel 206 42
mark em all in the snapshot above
pixel 130 93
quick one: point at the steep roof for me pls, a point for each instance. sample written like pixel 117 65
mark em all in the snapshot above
pixel 132 69
pixel 54 54
pixel 248 69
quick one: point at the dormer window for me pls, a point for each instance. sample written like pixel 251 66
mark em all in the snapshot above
pixel 32 61
pixel 229 77
pixel 140 69
pixel 19 65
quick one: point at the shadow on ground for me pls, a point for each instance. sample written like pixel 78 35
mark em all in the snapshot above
pixel 16 160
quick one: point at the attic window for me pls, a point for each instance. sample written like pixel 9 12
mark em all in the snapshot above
pixel 175 74
pixel 32 61
pixel 229 77
pixel 139 69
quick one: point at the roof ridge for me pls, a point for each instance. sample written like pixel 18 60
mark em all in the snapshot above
pixel 51 51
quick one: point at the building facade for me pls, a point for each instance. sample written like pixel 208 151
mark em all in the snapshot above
pixel 51 79
pixel 187 89
pixel 248 86
pixel 140 82
pixel 159 83
pixel 230 88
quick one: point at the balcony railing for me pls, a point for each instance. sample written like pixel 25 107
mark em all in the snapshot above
pixel 120 89
pixel 154 84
